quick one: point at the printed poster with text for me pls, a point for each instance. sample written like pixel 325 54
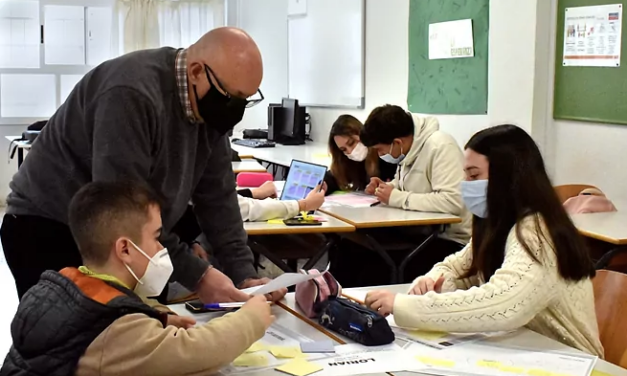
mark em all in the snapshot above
pixel 592 36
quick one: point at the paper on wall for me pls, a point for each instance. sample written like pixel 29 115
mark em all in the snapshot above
pixel 592 36
pixel 451 40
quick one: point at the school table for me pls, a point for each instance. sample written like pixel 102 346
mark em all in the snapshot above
pixel 282 155
pixel 607 227
pixel 291 317
pixel 522 338
pixel 21 147
pixel 247 166
pixel 331 225
pixel 365 218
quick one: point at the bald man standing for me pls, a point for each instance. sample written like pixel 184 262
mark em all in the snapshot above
pixel 159 117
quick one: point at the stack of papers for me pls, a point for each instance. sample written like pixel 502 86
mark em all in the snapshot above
pixel 352 199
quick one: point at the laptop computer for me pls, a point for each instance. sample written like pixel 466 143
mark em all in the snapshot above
pixel 302 179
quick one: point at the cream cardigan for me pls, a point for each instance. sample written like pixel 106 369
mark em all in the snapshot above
pixel 522 292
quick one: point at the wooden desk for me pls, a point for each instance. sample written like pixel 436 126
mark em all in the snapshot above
pixel 522 338
pixel 331 226
pixel 385 216
pixel 607 227
pixel 248 166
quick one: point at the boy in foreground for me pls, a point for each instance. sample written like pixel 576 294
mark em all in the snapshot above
pixel 92 320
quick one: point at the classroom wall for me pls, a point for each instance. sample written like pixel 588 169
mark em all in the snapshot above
pixel 511 70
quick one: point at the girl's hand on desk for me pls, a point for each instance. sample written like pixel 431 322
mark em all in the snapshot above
pixel 423 285
pixel 381 301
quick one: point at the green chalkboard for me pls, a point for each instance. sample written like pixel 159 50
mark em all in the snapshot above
pixel 592 94
pixel 447 86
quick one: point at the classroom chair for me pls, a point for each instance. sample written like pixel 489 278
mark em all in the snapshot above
pixel 615 260
pixel 253 179
pixel 564 192
pixel 610 296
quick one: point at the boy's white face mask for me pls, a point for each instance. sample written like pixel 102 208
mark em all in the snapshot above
pixel 157 273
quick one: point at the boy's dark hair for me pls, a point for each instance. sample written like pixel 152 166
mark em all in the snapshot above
pixel 101 212
pixel 385 123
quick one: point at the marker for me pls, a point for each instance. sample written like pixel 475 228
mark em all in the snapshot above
pixel 375 204
pixel 226 305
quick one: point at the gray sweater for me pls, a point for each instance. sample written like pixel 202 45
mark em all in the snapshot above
pixel 124 120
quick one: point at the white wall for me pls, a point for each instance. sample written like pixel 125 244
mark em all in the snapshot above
pixel 511 70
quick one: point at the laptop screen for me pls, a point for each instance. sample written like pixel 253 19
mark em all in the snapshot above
pixel 302 179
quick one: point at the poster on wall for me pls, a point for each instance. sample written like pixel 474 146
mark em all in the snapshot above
pixel 592 36
pixel 451 40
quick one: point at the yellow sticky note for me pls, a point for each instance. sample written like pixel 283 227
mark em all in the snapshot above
pixel 257 346
pixel 511 369
pixel 299 367
pixel 539 372
pixel 435 361
pixel 284 352
pixel 599 373
pixel 251 360
pixel 489 364
pixel 427 336
pixel 275 222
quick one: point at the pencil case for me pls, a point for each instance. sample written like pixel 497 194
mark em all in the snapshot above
pixel 356 322
pixel 311 294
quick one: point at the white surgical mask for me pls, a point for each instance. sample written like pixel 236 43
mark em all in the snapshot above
pixel 157 273
pixel 359 153
pixel 390 159
pixel 475 196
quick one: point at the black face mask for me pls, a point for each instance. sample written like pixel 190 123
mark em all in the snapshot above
pixel 222 112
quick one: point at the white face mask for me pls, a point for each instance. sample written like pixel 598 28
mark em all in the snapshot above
pixel 359 153
pixel 157 273
pixel 390 159
pixel 475 196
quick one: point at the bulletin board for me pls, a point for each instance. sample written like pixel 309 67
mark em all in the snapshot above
pixel 447 86
pixel 594 94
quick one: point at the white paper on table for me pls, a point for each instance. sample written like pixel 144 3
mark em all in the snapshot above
pixel 356 359
pixel 284 280
pixel 451 40
pixel 592 36
pixel 480 358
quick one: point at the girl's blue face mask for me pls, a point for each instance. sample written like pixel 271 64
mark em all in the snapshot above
pixel 475 196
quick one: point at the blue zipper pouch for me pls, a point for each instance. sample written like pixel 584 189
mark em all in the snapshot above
pixel 356 322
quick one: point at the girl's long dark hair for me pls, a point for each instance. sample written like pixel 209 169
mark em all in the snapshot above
pixel 518 186
pixel 350 174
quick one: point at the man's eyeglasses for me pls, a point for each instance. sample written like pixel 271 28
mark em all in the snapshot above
pixel 249 102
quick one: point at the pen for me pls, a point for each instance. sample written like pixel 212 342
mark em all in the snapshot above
pixel 375 204
pixel 226 305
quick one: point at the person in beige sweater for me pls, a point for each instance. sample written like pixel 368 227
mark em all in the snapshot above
pixel 428 177
pixel 526 264
pixel 93 320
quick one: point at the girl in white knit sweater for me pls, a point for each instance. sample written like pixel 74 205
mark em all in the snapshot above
pixel 526 264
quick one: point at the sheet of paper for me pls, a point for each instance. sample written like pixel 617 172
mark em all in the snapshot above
pixel 19 34
pixel 480 358
pixel 284 280
pixel 300 367
pixel 592 36
pixel 354 200
pixel 317 347
pixel 451 40
pixel 356 359
pixel 282 340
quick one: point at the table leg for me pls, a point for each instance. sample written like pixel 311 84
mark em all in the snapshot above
pixel 415 252
pixel 386 257
pixel 20 157
pixel 312 261
pixel 258 248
